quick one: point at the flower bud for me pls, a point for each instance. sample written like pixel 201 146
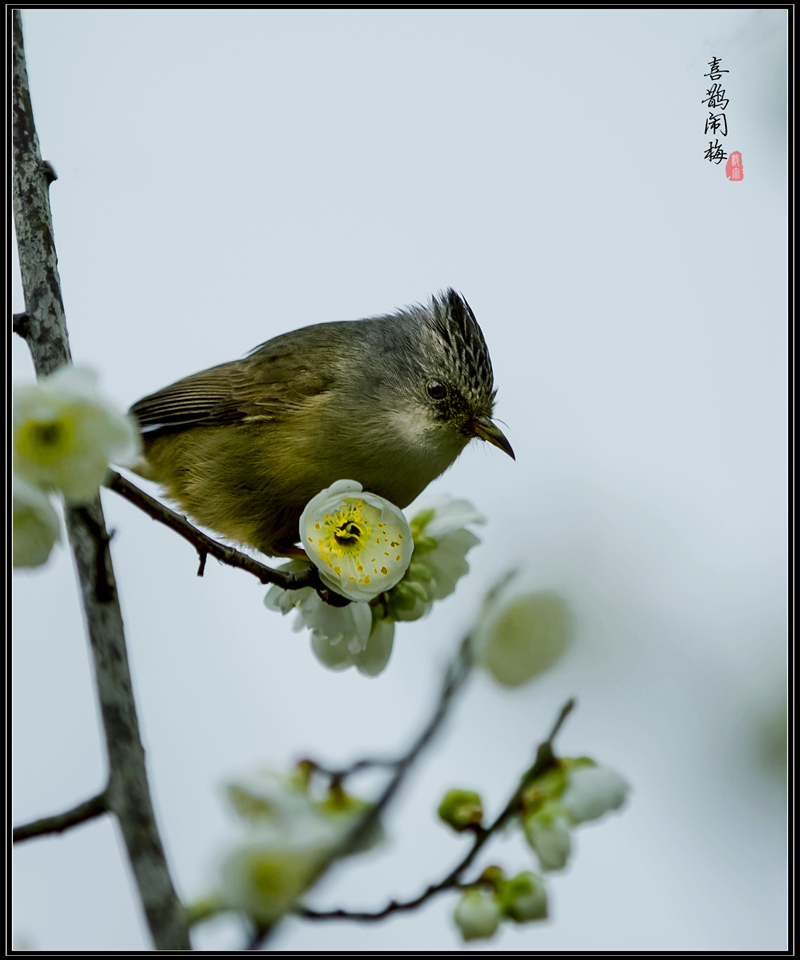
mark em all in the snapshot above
pixel 519 635
pixel 547 832
pixel 523 898
pixel 461 809
pixel 35 524
pixel 477 914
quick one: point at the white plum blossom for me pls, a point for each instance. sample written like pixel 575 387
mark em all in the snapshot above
pixel 36 527
pixel 362 633
pixel 592 791
pixel 66 434
pixel 263 874
pixel 288 841
pixel 267 795
pixel 360 543
pixel 519 634
pixel 441 543
pixel 341 637
pixel 370 661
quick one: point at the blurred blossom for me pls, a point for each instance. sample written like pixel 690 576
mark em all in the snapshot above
pixel 520 634
pixel 343 810
pixel 36 527
pixel 547 832
pixel 264 874
pixel 523 898
pixel 477 914
pixel 591 791
pixel 66 434
pixel 267 795
pixel 461 809
pixel 290 836
pixel 360 542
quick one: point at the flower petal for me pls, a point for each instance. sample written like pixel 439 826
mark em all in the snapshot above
pixel 360 543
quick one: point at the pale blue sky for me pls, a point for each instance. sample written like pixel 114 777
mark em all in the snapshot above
pixel 225 176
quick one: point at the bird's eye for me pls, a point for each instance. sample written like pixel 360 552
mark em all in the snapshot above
pixel 436 389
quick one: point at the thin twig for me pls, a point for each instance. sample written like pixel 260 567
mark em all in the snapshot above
pixel 45 332
pixel 454 678
pixel 206 546
pixel 545 759
pixel 338 775
pixel 88 810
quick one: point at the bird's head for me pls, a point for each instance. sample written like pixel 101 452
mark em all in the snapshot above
pixel 453 381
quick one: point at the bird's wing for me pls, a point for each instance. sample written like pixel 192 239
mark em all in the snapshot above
pixel 276 377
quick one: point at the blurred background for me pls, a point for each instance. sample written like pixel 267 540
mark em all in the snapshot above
pixel 226 176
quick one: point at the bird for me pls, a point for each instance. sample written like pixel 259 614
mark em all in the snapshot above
pixel 388 401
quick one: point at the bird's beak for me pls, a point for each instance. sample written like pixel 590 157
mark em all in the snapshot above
pixel 484 428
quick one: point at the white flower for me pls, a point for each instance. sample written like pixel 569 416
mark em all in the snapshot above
pixel 286 600
pixel 591 791
pixel 341 637
pixel 548 835
pixel 441 543
pixel 369 661
pixel 263 875
pixel 65 434
pixel 360 542
pixel 362 634
pixel 266 795
pixel 520 634
pixel 290 840
pixel 448 515
pixel 35 523
pixel 477 914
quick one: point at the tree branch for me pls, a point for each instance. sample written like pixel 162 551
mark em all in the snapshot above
pixel 45 332
pixel 206 546
pixel 456 674
pixel 544 760
pixel 88 810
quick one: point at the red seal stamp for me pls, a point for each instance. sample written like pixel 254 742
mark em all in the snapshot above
pixel 733 168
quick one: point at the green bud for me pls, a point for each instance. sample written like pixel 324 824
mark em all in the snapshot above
pixel 461 809
pixel 401 598
pixel 494 876
pixel 420 521
pixel 549 786
pixel 477 915
pixel 547 832
pixel 418 590
pixel 379 608
pixel 419 571
pixel 423 544
pixel 523 898
pixel 203 909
